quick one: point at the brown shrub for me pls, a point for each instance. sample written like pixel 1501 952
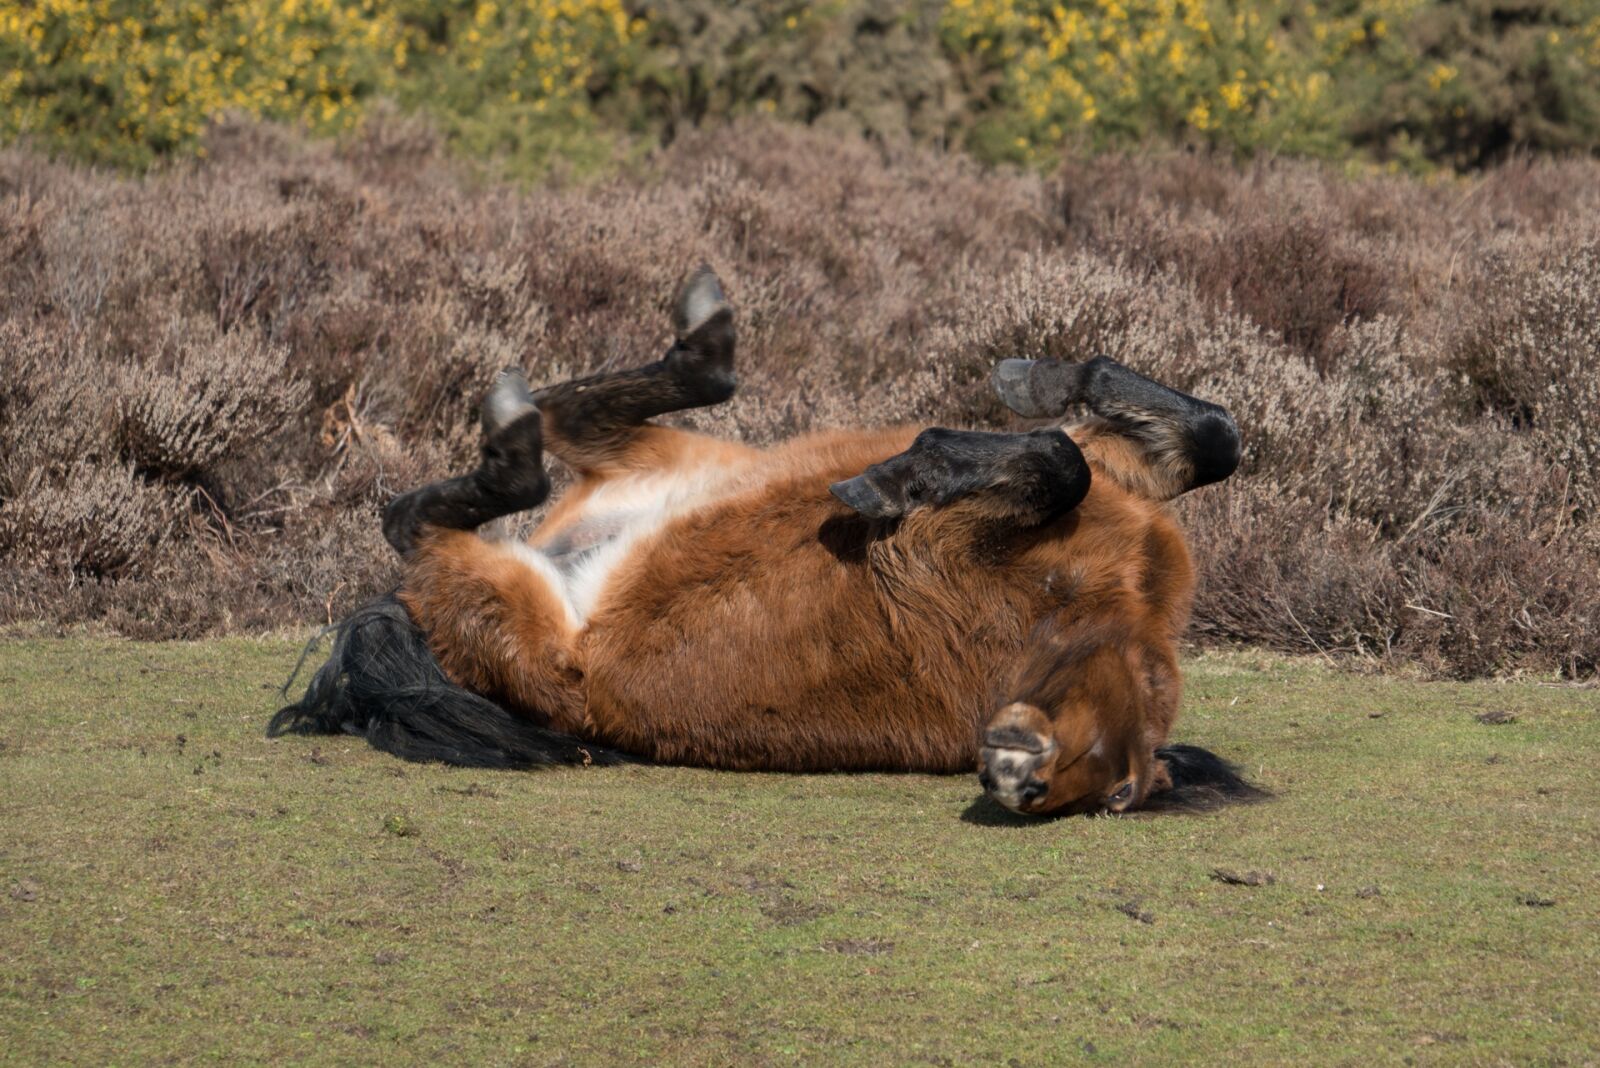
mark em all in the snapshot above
pixel 1530 350
pixel 53 406
pixel 1279 570
pixel 96 521
pixel 1507 594
pixel 220 393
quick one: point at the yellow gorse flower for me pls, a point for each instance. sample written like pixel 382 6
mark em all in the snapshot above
pixel 157 71
pixel 1227 71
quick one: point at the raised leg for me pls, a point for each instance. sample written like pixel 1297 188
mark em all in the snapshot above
pixel 495 619
pixel 1025 479
pixel 509 478
pixel 591 422
pixel 598 424
pixel 1152 439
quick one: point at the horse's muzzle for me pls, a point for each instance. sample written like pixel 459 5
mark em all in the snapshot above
pixel 1009 765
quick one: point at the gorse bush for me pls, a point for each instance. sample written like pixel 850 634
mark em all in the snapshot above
pixel 873 66
pixel 212 379
pixel 1404 80
pixel 1464 83
pixel 127 81
pixel 513 79
pixel 531 82
pixel 1129 70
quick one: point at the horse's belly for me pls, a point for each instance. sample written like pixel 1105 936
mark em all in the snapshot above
pixel 580 561
pixel 752 635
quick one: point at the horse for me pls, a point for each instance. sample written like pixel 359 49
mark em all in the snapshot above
pixel 919 600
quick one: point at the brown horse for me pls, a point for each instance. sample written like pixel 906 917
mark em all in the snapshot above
pixel 851 600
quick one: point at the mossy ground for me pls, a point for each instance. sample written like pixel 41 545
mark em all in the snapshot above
pixel 174 887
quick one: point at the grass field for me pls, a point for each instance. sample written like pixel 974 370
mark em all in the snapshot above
pixel 174 887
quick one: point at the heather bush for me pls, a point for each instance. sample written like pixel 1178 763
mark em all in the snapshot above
pixel 221 394
pixel 94 520
pixel 214 377
pixel 1506 591
pixel 1531 352
pixel 1275 563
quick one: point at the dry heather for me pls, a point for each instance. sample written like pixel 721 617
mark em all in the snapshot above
pixel 214 377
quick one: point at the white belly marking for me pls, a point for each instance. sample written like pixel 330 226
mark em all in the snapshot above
pixel 579 564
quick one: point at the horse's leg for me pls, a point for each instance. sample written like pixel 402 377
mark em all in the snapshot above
pixel 1153 439
pixel 1024 479
pixel 598 423
pixel 494 614
pixel 594 423
pixel 471 616
pixel 509 478
pixel 497 620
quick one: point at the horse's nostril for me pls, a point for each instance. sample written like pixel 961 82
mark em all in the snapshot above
pixel 986 780
pixel 1032 790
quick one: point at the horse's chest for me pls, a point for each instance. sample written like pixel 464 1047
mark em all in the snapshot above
pixel 580 560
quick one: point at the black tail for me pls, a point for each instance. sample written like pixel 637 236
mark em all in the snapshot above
pixel 1201 780
pixel 382 683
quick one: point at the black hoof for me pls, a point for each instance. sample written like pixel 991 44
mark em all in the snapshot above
pixel 1036 389
pixel 699 299
pixel 701 360
pixel 866 499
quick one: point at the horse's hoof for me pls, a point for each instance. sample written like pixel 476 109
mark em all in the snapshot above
pixel 508 400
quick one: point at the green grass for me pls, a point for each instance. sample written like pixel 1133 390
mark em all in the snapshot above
pixel 173 886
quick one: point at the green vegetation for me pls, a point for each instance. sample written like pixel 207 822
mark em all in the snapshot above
pixel 128 81
pixel 172 885
pixel 1412 82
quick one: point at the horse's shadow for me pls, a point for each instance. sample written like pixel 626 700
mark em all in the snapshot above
pixel 985 811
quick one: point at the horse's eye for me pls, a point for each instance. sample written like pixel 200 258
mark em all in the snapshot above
pixel 914 491
pixel 1122 794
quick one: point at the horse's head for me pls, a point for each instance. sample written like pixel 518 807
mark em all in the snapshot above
pixel 1071 736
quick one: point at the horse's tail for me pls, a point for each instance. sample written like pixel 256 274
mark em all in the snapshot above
pixel 1201 779
pixel 381 682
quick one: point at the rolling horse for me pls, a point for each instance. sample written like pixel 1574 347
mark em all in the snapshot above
pixel 929 600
